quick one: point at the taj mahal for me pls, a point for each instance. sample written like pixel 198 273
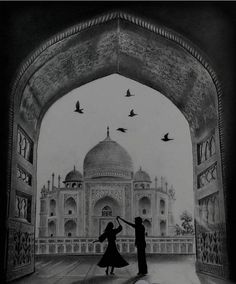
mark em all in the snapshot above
pixel 82 204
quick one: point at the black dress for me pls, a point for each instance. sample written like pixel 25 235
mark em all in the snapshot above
pixel 111 256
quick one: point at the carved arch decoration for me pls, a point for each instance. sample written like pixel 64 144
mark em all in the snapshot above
pixel 126 44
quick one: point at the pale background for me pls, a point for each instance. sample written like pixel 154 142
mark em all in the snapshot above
pixel 66 136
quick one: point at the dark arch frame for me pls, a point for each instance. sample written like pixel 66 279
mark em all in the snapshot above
pixel 134 25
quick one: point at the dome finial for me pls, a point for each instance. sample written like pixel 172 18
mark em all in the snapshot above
pixel 108 135
pixel 74 168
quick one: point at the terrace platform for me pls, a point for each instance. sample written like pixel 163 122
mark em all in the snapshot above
pixel 72 269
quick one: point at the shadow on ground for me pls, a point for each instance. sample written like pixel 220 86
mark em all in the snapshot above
pixel 112 279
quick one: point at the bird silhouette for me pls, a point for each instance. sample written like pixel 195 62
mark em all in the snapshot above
pixel 166 138
pixel 128 94
pixel 78 109
pixel 121 129
pixel 132 113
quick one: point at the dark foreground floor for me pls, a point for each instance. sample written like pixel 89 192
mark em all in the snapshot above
pixel 163 269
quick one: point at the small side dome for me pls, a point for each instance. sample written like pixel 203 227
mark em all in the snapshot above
pixel 73 176
pixel 141 176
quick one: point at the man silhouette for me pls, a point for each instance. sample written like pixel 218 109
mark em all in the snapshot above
pixel 140 243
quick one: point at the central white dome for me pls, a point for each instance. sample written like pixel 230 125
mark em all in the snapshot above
pixel 108 159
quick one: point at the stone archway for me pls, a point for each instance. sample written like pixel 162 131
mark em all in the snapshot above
pixel 52 228
pixel 104 211
pixel 118 43
pixel 70 228
pixel 70 206
pixel 144 206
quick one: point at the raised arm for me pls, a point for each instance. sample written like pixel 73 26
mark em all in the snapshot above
pixel 128 223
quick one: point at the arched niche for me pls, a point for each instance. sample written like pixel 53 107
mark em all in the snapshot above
pixel 52 207
pixel 163 228
pixel 51 228
pixel 107 203
pixel 144 206
pixel 148 227
pixel 70 206
pixel 121 43
pixel 70 228
pixel 162 206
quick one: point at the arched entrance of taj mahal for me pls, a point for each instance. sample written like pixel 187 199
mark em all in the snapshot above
pixel 154 56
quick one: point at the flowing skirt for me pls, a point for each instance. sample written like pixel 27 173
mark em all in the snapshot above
pixel 112 257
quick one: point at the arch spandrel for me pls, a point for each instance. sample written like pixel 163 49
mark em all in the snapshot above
pixel 126 49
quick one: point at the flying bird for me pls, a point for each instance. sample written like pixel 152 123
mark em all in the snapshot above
pixel 78 109
pixel 128 94
pixel 166 138
pixel 132 113
pixel 121 129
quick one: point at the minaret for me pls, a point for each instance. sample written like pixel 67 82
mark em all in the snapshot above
pixel 53 180
pixel 156 182
pixel 162 183
pixel 48 185
pixel 43 213
pixel 59 181
pixel 43 191
pixel 171 219
pixel 166 186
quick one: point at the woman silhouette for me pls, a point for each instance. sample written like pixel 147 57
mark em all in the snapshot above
pixel 111 256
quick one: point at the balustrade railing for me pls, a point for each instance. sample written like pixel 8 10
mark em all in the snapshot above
pixel 157 245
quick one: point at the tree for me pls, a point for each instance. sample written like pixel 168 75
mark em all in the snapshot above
pixel 186 227
pixel 178 230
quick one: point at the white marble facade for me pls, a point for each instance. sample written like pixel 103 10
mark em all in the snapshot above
pixel 108 187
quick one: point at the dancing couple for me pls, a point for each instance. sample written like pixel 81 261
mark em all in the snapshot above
pixel 112 257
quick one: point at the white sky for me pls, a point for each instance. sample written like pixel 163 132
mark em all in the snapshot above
pixel 66 136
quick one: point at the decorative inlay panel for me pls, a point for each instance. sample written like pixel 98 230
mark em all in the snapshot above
pixel 99 192
pixel 141 195
pixel 24 145
pixel 23 175
pixel 23 206
pixel 207 176
pixel 209 210
pixel 210 246
pixel 206 149
pixel 107 172
pixel 21 245
pixel 29 108
pixel 68 195
pixel 23 248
